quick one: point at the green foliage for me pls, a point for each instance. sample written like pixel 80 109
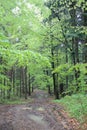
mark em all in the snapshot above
pixel 29 32
pixel 20 41
pixel 67 69
pixel 15 101
pixel 76 105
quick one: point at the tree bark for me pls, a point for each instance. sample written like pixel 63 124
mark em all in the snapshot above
pixel 55 77
pixel 26 82
pixel 29 85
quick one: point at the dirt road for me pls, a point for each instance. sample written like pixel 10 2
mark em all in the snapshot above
pixel 40 114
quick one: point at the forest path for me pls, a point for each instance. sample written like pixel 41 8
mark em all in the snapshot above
pixel 40 114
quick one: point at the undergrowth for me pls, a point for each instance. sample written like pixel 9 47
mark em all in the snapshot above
pixel 15 101
pixel 76 105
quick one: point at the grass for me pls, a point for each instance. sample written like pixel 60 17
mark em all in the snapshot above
pixel 76 105
pixel 15 101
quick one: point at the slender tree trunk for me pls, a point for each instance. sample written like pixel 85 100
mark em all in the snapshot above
pixel 48 85
pixel 32 88
pixel 20 81
pixel 75 54
pixel 4 89
pixel 23 83
pixel 75 42
pixel 26 82
pixel 55 77
pixel 29 85
pixel 10 74
pixel 66 62
pixel 85 44
pixel 14 80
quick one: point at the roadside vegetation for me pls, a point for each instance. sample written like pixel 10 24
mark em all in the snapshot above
pixel 76 105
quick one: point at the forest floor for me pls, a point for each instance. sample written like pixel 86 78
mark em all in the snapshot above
pixel 40 114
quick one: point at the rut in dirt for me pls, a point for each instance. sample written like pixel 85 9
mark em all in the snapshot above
pixel 40 114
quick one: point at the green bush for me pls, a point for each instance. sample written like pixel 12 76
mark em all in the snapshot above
pixel 76 105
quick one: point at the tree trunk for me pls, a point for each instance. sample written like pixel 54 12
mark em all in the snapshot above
pixel 29 85
pixel 26 82
pixel 23 83
pixel 10 74
pixel 14 80
pixel 55 77
pixel 85 44
pixel 66 62
pixel 20 81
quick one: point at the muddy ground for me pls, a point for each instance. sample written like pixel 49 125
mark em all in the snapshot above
pixel 40 114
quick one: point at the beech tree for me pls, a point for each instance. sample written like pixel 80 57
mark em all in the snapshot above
pixel 22 28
